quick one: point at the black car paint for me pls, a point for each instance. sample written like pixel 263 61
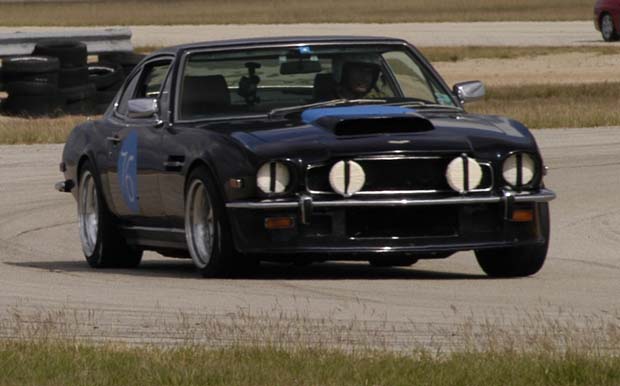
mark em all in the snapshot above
pixel 234 149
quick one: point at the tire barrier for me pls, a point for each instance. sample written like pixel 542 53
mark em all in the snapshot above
pixel 33 99
pixel 36 69
pixel 70 53
pixel 127 60
pixel 57 79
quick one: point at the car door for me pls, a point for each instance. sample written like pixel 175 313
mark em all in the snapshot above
pixel 135 158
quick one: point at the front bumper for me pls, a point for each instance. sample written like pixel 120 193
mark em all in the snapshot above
pixel 394 225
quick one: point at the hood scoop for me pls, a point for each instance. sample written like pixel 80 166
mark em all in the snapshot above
pixel 367 119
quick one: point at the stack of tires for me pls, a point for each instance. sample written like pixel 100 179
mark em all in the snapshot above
pixel 32 86
pixel 126 60
pixel 107 79
pixel 58 79
pixel 73 83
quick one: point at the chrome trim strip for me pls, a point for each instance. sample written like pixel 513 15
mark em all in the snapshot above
pixel 152 229
pixel 544 195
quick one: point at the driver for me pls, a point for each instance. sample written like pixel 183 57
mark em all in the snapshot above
pixel 357 79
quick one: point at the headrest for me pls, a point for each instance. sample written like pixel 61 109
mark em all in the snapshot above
pixel 202 94
pixel 324 88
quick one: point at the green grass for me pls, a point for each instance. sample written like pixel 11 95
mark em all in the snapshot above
pixel 456 54
pixel 58 363
pixel 287 11
pixel 548 106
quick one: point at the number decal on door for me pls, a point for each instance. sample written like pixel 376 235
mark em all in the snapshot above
pixel 127 171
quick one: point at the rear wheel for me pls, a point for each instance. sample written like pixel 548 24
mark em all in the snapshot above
pixel 517 261
pixel 608 29
pixel 102 244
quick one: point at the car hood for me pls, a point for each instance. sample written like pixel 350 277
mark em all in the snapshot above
pixel 387 129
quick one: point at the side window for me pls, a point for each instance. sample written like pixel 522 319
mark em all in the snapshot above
pixel 146 84
pixel 153 76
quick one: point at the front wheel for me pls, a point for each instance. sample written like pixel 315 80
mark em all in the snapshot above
pixel 517 261
pixel 608 29
pixel 102 244
pixel 206 229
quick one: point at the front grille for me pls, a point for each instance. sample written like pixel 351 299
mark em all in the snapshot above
pixel 396 175
pixel 403 222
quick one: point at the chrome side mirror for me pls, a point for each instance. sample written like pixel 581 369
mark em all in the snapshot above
pixel 469 91
pixel 142 108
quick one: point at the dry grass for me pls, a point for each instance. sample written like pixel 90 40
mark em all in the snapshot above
pixel 537 106
pixel 37 130
pixel 456 54
pixel 547 106
pixel 553 332
pixel 287 11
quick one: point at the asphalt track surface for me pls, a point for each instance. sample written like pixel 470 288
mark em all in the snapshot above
pixel 43 273
pixel 421 34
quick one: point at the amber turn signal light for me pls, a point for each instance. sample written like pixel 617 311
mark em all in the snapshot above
pixel 279 223
pixel 523 215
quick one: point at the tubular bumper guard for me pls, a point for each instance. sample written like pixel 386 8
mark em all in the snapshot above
pixel 305 203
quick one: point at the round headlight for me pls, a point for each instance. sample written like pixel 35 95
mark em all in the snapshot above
pixel 347 178
pixel 273 177
pixel 464 174
pixel 519 169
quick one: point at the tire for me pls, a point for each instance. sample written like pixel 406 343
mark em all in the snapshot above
pixel 30 64
pixel 102 245
pixel 104 76
pixel 79 93
pixel 33 105
pixel 393 261
pixel 206 227
pixel 82 107
pixel 31 89
pixel 73 77
pixel 125 59
pixel 517 261
pixel 39 69
pixel 608 29
pixel 70 53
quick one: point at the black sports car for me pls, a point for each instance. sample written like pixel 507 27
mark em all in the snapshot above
pixel 302 149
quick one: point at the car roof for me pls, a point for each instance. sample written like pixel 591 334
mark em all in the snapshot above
pixel 267 41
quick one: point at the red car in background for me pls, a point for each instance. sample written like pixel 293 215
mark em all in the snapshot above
pixel 607 19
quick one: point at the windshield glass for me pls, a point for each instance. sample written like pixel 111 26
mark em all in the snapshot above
pixel 257 81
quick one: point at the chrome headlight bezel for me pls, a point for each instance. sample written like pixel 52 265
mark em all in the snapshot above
pixel 531 170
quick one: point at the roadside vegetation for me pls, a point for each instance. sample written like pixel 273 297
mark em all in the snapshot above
pixel 460 53
pixel 159 12
pixel 54 363
pixel 537 106
pixel 549 106
pixel 524 347
pixel 36 130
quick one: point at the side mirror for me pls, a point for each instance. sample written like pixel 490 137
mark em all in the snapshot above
pixel 469 91
pixel 142 108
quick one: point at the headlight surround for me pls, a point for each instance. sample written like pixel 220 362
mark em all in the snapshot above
pixel 520 170
pixel 274 177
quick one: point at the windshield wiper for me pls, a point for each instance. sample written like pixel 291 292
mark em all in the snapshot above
pixel 333 102
pixel 420 103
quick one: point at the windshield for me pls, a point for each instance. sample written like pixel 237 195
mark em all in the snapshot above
pixel 258 81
